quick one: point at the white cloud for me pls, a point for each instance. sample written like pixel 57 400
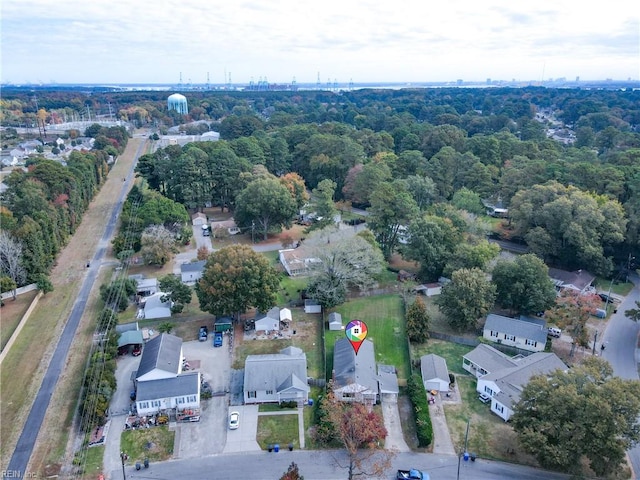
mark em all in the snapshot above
pixel 365 40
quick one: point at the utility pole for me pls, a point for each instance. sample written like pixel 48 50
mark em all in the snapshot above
pixel 253 227
pixel 595 339
pixel 123 457
pixel 466 438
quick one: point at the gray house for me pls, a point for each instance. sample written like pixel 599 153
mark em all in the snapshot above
pixel 435 374
pixel 181 392
pixel 280 377
pixel 354 376
pixel 192 272
pixel 161 358
pixel 527 333
pixel 484 359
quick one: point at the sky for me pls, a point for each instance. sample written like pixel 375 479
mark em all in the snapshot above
pixel 149 42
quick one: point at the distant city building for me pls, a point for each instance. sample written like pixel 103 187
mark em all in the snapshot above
pixel 178 103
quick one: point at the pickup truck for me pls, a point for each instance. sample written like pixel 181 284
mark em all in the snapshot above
pixel 412 474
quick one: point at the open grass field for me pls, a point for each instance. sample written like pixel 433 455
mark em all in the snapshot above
pixel 12 313
pixel 278 429
pixel 35 345
pixel 383 315
pixel 451 352
pixel 155 443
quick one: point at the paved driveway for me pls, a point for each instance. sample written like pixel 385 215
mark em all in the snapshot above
pixel 244 438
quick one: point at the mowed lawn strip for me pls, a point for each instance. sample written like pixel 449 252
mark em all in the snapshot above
pixel 154 443
pixel 278 429
pixel 384 317
pixel 12 313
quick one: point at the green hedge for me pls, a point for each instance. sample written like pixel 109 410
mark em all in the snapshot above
pixel 418 398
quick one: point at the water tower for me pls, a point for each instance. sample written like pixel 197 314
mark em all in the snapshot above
pixel 178 103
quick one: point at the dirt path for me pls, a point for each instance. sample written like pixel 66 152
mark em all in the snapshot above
pixel 67 277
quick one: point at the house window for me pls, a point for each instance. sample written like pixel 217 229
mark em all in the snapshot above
pixel 488 391
pixel 269 392
pixel 530 342
pixel 499 408
pixel 348 395
pixel 155 403
pixel 493 334
pixel 483 371
pixel 251 394
pixel 180 400
pixel 191 399
pixel 511 338
pixel 466 362
pixel 143 405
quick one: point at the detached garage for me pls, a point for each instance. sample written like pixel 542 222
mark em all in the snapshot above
pixel 435 374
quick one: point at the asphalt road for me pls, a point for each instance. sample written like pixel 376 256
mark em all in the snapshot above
pixel 24 448
pixel 621 340
pixel 323 465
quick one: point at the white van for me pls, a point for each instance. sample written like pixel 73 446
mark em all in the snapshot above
pixel 206 230
pixel 554 332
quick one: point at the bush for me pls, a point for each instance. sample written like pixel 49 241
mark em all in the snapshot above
pixel 418 398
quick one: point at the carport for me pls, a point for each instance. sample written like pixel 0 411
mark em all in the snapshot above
pixel 129 340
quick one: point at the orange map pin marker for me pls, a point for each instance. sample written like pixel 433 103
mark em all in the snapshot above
pixel 356 332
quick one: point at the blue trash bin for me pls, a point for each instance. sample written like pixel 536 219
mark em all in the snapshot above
pixel 311 402
pixel 276 448
pixel 466 456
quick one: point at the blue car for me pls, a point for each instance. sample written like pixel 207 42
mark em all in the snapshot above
pixel 217 339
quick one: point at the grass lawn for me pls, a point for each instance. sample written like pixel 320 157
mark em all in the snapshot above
pixel 489 436
pixel 155 443
pixel 290 288
pixel 12 313
pixel 451 352
pixel 385 322
pixel 93 462
pixel 619 288
pixel 274 407
pixel 278 429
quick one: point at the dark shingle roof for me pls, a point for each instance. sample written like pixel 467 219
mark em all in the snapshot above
pixel 273 371
pixel 351 368
pixel 193 266
pixel 185 384
pixel 161 352
pixel 523 327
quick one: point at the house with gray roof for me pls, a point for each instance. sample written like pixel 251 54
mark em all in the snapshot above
pixel 485 359
pixel 268 322
pixel 161 358
pixel 354 376
pixel 156 306
pixel 192 272
pixel 527 333
pixel 181 392
pixel 280 377
pixel 580 281
pixel 435 374
pixel 505 386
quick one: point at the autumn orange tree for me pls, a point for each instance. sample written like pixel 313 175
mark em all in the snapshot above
pixel 360 430
pixel 571 312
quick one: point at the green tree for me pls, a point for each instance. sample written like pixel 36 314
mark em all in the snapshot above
pixel 7 284
pixel 117 293
pixel 344 262
pixel 323 205
pixel 265 203
pixel 235 279
pixel 158 245
pixel 44 284
pixel 467 298
pixel 432 240
pixel 582 413
pixel 418 321
pixel 468 255
pixel 392 209
pixel 165 327
pixel 634 313
pixel 465 199
pixel 176 291
pixel 523 285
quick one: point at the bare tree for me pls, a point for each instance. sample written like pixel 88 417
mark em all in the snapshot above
pixel 11 260
pixel 158 245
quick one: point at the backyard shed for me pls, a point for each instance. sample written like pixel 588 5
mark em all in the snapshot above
pixel 312 306
pixel 335 321
pixel 435 374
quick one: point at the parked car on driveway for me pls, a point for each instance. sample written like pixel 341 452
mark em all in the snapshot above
pixel 234 420
pixel 217 339
pixel 204 333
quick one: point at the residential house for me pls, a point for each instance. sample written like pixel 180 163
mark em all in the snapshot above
pixel 267 322
pixel 181 393
pixel 298 261
pixel 435 374
pixel 192 272
pixel 580 281
pixel 147 286
pixel 161 358
pixel 280 377
pixel 335 321
pixel 354 376
pixel 388 382
pixel 526 333
pixel 484 359
pixel 155 307
pixel 505 386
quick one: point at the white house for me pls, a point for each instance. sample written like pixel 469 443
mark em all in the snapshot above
pixel 161 358
pixel 181 392
pixel 154 307
pixel 298 261
pixel 280 377
pixel 526 333
pixel 268 322
pixel 505 386
pixel 192 272
pixel 580 281
pixel 435 375
pixel 335 321
pixel 485 359
pixel 354 376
